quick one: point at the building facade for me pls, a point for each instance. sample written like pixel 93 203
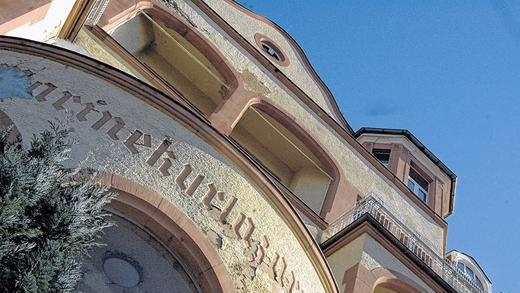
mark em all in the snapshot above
pixel 234 168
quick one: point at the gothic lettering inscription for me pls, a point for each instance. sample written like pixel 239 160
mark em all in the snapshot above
pixel 217 204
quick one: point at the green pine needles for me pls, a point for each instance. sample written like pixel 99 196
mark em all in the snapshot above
pixel 49 216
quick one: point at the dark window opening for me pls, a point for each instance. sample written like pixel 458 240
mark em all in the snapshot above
pixel 383 155
pixel 272 52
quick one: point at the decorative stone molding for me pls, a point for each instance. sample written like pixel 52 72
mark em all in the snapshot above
pixel 146 151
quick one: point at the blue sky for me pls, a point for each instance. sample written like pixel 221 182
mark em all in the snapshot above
pixel 449 71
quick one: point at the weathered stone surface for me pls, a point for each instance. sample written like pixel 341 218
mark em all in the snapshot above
pixel 215 238
pixel 103 148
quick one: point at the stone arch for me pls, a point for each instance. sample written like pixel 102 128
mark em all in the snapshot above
pixel 204 130
pixel 173 228
pixel 126 10
pixel 394 281
pixel 289 122
pixel 198 41
pixel 6 122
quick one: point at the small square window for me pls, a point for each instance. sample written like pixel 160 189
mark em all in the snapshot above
pixel 383 155
pixel 422 194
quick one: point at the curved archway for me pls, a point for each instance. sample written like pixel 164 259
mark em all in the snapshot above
pixel 387 281
pixel 289 122
pixel 174 229
pixel 172 54
pixel 178 111
pixel 394 286
pixel 132 258
pixel 288 151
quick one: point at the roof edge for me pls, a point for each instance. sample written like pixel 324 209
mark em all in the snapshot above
pixel 303 56
pixel 406 133
pixel 475 261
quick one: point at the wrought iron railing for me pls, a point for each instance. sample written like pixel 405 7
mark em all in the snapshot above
pixel 374 207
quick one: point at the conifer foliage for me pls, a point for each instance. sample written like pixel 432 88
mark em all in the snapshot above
pixel 49 216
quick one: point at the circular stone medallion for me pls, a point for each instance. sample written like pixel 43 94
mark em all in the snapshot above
pixel 121 272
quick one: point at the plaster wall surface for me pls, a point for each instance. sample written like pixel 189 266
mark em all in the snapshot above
pixel 367 252
pixel 96 49
pixel 248 26
pixel 46 28
pixel 375 256
pixel 383 290
pixel 345 258
pixel 359 172
pixel 96 149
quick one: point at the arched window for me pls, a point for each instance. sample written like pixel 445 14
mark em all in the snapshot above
pixel 132 259
pixel 287 151
pixel 470 274
pixel 166 52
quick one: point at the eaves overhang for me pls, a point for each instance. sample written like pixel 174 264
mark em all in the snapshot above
pixel 429 154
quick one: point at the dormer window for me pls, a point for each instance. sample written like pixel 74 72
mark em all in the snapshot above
pixel 383 155
pixel 417 184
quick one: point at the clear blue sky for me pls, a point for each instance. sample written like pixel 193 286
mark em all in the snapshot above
pixel 449 71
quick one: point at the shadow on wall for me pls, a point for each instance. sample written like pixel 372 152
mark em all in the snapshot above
pixel 20 12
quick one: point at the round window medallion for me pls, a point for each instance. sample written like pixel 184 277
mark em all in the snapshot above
pixel 272 51
pixel 122 270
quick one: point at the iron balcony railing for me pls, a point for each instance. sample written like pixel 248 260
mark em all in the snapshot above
pixel 374 207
